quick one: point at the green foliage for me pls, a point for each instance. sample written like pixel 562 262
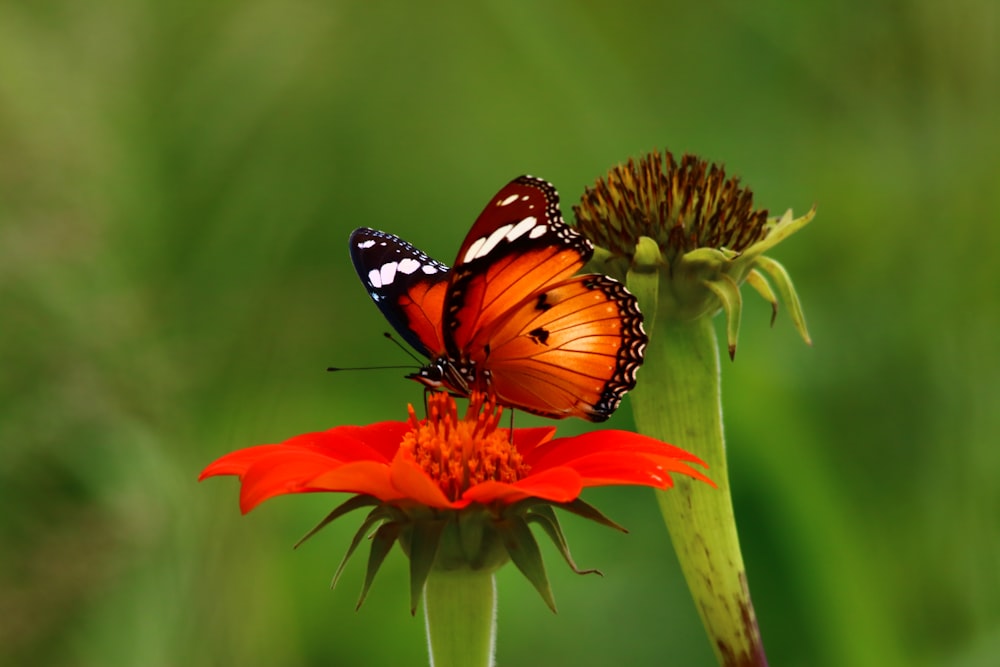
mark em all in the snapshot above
pixel 177 184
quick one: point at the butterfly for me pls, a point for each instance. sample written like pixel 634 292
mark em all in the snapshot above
pixel 510 318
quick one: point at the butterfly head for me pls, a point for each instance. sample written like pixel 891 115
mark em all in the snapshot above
pixel 444 373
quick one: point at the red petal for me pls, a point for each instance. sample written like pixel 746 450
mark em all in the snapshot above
pixel 236 463
pixel 366 477
pixel 375 442
pixel 608 468
pixel 558 485
pixel 383 437
pixel 278 475
pixel 412 482
pixel 527 439
pixel 563 451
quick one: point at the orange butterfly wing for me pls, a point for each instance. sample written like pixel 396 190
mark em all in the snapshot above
pixel 423 306
pixel 543 340
pixel 570 350
pixel 511 317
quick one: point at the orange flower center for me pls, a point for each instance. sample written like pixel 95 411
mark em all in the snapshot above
pixel 458 454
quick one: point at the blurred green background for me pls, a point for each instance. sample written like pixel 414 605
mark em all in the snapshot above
pixel 177 184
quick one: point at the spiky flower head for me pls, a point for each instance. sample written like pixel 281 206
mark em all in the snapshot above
pixel 696 230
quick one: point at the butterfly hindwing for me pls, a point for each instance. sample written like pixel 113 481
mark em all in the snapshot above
pixel 405 283
pixel 572 349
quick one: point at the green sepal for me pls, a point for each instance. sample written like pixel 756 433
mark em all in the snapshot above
pixel 779 229
pixel 587 511
pixel 376 515
pixel 732 304
pixel 356 502
pixel 759 283
pixel 424 541
pixel 382 542
pixel 713 258
pixel 608 263
pixel 524 551
pixel 545 517
pixel 643 279
pixel 787 291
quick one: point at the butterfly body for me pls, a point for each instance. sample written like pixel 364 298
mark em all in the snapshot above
pixel 511 317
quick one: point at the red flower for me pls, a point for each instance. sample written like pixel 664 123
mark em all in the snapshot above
pixel 457 493
pixel 446 463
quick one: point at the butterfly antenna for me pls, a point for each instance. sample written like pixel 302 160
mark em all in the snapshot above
pixel 332 369
pixel 403 347
pixel 378 368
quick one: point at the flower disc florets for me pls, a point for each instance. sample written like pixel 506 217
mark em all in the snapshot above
pixel 685 238
pixel 681 206
pixel 460 453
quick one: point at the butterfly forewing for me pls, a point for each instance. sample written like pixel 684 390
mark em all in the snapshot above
pixel 478 300
pixel 405 283
pixel 523 215
pixel 518 245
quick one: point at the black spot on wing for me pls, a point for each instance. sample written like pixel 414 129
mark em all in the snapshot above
pixel 539 335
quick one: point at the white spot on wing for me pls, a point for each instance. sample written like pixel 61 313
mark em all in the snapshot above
pixel 473 250
pixel 375 278
pixel 429 269
pixel 490 242
pixel 364 245
pixel 508 200
pixel 408 265
pixel 538 231
pixel 388 273
pixel 522 227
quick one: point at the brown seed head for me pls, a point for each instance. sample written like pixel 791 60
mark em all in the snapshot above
pixel 680 206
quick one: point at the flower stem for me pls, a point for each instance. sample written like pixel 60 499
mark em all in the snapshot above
pixel 460 613
pixel 678 400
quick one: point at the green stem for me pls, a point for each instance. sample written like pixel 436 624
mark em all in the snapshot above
pixel 460 613
pixel 678 400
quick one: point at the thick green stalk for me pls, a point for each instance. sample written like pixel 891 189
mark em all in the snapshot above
pixel 678 400
pixel 460 613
